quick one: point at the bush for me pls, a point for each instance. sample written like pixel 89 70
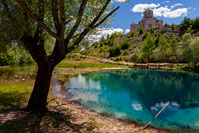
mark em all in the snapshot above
pixel 173 27
pixel 145 35
pixel 166 25
pixel 141 31
pixel 130 34
pixel 135 57
pixel 119 59
pixel 115 51
pixel 125 45
pixel 126 52
pixel 172 58
pixel 152 30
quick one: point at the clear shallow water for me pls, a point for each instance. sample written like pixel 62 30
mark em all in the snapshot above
pixel 139 95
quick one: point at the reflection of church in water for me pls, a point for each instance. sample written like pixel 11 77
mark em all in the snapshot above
pixel 148 21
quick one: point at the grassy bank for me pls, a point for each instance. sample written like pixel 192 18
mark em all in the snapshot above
pixel 85 63
pixel 12 94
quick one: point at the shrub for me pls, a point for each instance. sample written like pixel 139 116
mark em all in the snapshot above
pixel 125 45
pixel 141 31
pixel 119 59
pixel 166 25
pixel 172 58
pixel 145 35
pixel 130 34
pixel 135 57
pixel 126 52
pixel 173 27
pixel 152 30
pixel 114 51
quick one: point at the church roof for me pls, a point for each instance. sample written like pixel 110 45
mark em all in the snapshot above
pixel 148 9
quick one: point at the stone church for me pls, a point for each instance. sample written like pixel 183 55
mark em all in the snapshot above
pixel 148 21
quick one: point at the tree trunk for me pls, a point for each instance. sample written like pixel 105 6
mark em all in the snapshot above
pixel 38 99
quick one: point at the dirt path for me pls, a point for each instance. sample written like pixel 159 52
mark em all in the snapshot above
pixel 141 65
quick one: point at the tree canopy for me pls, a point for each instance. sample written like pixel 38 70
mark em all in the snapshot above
pixel 29 22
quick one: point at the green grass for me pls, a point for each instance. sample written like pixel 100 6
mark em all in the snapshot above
pixel 85 64
pixel 12 94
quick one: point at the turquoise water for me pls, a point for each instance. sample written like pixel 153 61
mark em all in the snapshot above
pixel 140 95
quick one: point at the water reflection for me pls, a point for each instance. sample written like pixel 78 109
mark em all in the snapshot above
pixel 140 95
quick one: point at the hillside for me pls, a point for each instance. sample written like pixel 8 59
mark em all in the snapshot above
pixel 123 46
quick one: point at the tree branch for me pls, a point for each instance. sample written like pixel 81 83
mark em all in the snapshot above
pixel 99 14
pixel 90 27
pixel 63 21
pixel 55 15
pixel 28 11
pixel 78 21
pixel 106 17
pixel 68 21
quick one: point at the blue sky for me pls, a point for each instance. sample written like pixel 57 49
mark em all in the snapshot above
pixel 171 11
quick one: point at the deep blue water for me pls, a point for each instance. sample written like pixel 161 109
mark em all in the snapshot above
pixel 139 95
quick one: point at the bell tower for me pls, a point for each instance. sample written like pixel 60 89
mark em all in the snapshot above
pixel 148 13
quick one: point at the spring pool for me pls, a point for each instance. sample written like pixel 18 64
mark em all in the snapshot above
pixel 139 95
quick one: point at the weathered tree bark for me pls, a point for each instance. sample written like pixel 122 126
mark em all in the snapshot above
pixel 38 99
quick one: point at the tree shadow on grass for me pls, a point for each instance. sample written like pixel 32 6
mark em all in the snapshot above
pixel 11 101
pixel 48 122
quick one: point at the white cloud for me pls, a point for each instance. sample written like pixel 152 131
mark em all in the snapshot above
pixel 142 7
pixel 175 5
pixel 181 12
pixel 120 1
pixel 162 11
pixel 158 12
pixel 127 31
pixel 166 2
pixel 104 32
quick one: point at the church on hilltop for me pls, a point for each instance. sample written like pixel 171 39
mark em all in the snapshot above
pixel 148 21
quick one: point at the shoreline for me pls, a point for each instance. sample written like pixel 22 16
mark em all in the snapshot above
pixel 100 122
pixel 105 116
pixel 114 124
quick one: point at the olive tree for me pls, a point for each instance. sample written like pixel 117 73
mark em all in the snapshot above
pixel 67 22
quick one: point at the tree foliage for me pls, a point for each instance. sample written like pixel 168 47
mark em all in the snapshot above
pixel 27 22
pixel 148 48
pixel 189 25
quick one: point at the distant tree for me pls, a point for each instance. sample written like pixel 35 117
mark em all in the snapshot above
pixel 125 45
pixel 185 24
pixel 185 50
pixel 194 48
pixel 141 30
pixel 130 34
pixel 135 57
pixel 146 34
pixel 173 44
pixel 173 27
pixel 157 39
pixel 196 24
pixel 186 40
pixel 152 30
pixel 189 29
pixel 148 48
pixel 163 45
pixel 115 51
pixel 166 25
